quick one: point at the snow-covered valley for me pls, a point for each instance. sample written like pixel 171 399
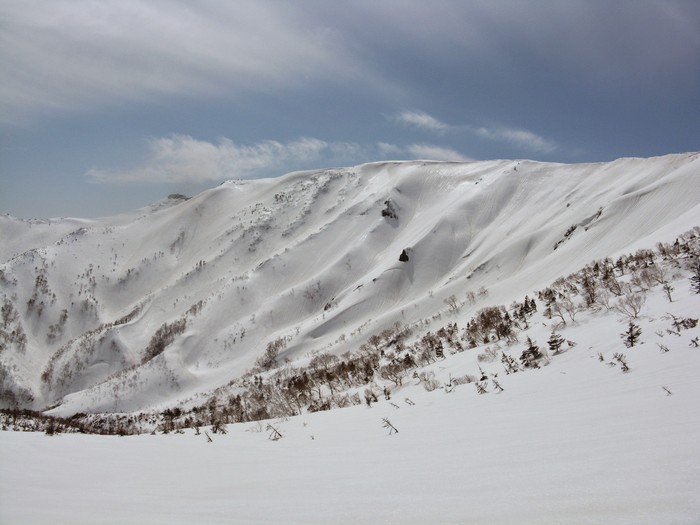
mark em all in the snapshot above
pixel 575 442
pixel 393 294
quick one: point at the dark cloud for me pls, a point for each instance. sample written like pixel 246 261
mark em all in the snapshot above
pixel 575 80
pixel 74 54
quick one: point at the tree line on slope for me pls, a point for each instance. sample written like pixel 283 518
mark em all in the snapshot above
pixel 328 381
pixel 388 358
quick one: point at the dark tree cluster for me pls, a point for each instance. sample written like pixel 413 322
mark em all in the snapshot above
pixel 490 324
pixel 163 337
pixel 531 356
pixel 23 420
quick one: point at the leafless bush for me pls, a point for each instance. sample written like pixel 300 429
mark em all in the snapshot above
pixel 452 303
pixel 630 304
pixel 489 355
pixel 428 380
pixel 274 433
pixel 602 300
pixel 622 359
pixel 471 298
pixel 387 424
pixel 269 358
pixel 568 306
pixel 463 380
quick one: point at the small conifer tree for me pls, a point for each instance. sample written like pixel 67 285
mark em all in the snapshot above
pixel 631 336
pixel 531 355
pixel 555 342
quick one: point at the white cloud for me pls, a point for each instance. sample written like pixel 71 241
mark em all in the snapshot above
pixel 184 159
pixel 432 152
pixel 386 150
pixel 519 138
pixel 421 119
pixel 181 158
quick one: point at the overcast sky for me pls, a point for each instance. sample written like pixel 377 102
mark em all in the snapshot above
pixel 108 106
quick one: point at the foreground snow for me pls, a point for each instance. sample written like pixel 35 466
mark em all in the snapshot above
pixel 575 442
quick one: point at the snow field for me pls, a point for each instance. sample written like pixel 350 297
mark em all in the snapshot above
pixel 577 441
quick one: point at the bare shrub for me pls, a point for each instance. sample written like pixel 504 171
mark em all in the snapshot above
pixel 428 380
pixel 463 380
pixel 452 303
pixel 395 371
pixel 630 304
pixel 489 355
pixel 269 358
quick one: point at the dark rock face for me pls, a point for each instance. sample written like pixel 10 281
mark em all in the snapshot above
pixel 403 257
pixel 389 211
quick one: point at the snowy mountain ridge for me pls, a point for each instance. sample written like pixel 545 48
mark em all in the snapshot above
pixel 165 305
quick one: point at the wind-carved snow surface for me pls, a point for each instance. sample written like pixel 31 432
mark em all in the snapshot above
pixel 314 258
pixel 309 257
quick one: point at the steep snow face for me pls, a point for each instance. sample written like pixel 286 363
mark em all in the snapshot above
pixel 174 300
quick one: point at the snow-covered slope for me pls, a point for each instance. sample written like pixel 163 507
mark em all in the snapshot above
pixel 578 441
pixel 152 308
